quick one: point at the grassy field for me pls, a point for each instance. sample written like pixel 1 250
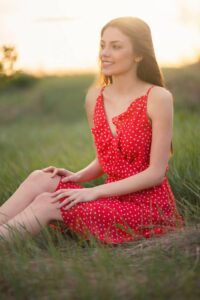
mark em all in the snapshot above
pixel 45 124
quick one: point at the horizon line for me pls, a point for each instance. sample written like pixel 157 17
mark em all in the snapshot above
pixel 75 71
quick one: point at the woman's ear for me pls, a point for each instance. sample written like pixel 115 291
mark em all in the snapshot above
pixel 138 59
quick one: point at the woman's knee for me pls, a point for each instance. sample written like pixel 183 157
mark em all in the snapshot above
pixel 42 206
pixel 42 178
pixel 42 201
pixel 37 175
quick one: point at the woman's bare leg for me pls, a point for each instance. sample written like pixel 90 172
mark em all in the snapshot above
pixel 32 219
pixel 36 183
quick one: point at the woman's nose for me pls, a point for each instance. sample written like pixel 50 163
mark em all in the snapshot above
pixel 105 52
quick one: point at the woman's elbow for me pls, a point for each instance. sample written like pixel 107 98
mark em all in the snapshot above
pixel 158 176
pixel 160 180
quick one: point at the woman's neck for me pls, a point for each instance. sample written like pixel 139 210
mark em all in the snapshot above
pixel 125 83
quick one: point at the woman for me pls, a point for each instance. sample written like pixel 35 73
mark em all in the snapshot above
pixel 131 119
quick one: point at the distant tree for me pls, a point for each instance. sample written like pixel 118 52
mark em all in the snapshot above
pixel 8 57
pixel 9 76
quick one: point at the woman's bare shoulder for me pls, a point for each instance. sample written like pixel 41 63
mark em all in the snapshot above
pixel 160 101
pixel 91 96
pixel 90 100
pixel 159 93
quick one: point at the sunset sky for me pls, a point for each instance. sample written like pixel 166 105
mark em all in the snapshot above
pixel 60 35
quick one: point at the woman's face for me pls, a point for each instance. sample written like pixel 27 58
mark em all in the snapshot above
pixel 116 52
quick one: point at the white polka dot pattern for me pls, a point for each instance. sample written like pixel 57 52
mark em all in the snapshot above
pixel 124 218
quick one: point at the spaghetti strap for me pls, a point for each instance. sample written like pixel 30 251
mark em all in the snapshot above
pixel 149 89
pixel 147 93
pixel 102 89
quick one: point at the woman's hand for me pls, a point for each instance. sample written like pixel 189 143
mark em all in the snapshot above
pixel 68 175
pixel 74 196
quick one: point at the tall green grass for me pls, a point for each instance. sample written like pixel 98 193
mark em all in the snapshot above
pixel 46 124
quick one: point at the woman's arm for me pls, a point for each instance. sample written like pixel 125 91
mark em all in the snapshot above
pixel 93 170
pixel 160 112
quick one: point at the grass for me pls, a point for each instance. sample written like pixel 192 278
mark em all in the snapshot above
pixel 46 125
pixel 50 267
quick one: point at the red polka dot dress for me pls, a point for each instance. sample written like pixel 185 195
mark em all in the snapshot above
pixel 119 219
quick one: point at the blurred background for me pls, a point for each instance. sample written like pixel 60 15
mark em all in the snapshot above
pixel 48 59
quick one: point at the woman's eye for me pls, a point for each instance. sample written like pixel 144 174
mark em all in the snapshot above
pixel 116 47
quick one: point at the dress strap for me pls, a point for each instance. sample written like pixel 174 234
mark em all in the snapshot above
pixel 102 89
pixel 149 89
pixel 147 93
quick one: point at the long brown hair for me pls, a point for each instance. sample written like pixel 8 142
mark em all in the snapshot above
pixel 140 35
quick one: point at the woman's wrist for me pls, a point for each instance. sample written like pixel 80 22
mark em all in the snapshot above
pixel 98 191
pixel 80 176
pixel 89 173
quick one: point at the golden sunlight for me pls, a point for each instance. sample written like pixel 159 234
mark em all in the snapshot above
pixel 61 35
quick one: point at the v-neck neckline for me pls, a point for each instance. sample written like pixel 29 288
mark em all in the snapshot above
pixel 122 113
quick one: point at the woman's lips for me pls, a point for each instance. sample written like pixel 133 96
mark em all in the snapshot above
pixel 106 63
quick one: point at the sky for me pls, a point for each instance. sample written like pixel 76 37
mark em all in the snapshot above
pixel 61 35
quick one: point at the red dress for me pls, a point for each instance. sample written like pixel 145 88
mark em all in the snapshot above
pixel 118 219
